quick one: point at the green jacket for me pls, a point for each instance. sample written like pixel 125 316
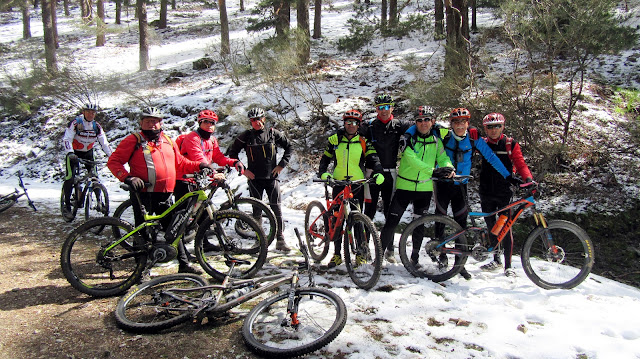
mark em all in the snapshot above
pixel 418 160
pixel 350 156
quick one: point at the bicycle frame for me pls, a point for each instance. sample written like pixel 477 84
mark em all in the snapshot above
pixel 343 211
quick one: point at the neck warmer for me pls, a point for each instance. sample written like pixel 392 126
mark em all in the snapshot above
pixel 152 135
pixel 205 135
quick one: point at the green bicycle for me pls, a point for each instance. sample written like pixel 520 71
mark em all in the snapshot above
pixel 100 265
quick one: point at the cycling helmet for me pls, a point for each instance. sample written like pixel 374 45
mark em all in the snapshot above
pixel 352 114
pixel 425 112
pixel 383 99
pixel 152 112
pixel 460 113
pixel 89 107
pixel 207 115
pixel 493 118
pixel 256 112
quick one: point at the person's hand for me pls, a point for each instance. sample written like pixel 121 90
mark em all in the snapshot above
pixel 219 177
pixel 276 171
pixel 514 180
pixel 73 158
pixel 249 174
pixel 443 172
pixel 134 182
pixel 379 177
pixel 528 180
pixel 333 139
pixel 239 167
pixel 325 176
pixel 210 166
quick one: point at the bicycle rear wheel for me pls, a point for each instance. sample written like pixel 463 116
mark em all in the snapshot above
pixel 153 306
pixel 268 329
pixel 8 201
pixel 69 216
pixel 263 215
pixel 96 204
pixel 94 271
pixel 424 253
pixel 362 251
pixel 558 257
pixel 315 229
pixel 222 237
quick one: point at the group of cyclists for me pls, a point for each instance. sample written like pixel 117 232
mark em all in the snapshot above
pixel 360 149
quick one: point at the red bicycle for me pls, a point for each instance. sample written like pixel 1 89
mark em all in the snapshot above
pixel 342 216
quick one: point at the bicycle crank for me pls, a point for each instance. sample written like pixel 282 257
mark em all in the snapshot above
pixel 163 253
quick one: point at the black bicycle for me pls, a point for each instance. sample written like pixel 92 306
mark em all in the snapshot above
pixel 87 192
pixel 8 200
pixel 295 321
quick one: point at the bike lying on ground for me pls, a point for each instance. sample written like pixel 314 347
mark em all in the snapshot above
pixel 296 321
pixel 100 265
pixel 362 247
pixel 87 192
pixel 261 212
pixel 8 200
pixel 556 253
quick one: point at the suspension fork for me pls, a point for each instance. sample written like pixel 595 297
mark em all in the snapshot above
pixel 548 239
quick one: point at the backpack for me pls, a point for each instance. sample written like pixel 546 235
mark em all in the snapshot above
pixel 80 122
pixel 142 141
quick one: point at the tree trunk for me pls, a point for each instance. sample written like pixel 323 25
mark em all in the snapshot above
pixel 304 45
pixel 317 20
pixel 439 24
pixel 173 5
pixel 225 45
pixel 118 11
pixel 26 20
pixel 49 42
pixel 67 13
pixel 241 5
pixel 474 13
pixel 383 15
pixel 456 55
pixel 281 10
pixel 162 24
pixel 141 7
pixel 83 9
pixel 54 22
pixel 393 13
pixel 100 26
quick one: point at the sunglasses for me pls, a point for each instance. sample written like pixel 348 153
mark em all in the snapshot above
pixel 351 122
pixel 491 127
pixel 209 122
pixel 383 107
pixel 256 119
pixel 420 120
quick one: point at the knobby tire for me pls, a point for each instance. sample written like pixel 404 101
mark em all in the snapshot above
pixel 318 247
pixel 361 239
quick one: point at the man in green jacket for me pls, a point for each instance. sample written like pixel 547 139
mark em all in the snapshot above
pixel 351 153
pixel 421 153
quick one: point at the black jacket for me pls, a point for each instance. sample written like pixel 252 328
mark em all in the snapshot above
pixel 261 148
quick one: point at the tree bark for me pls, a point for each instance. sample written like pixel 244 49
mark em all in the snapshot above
pixel 317 20
pixel 439 24
pixel 225 45
pixel 282 12
pixel 241 5
pixel 393 13
pixel 456 55
pixel 141 7
pixel 162 24
pixel 383 15
pixel 474 13
pixel 304 45
pixel 118 11
pixel 26 20
pixel 83 9
pixel 100 26
pixel 49 42
pixel 67 13
pixel 54 22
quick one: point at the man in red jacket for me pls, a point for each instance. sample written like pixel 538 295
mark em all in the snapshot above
pixel 153 158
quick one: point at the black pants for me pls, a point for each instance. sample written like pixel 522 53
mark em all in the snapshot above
pixel 272 187
pixel 456 195
pixel 156 203
pixel 72 168
pixel 386 189
pixel 492 203
pixel 401 200
pixel 358 195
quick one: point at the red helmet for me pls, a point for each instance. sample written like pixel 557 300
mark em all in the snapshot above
pixel 352 114
pixel 207 115
pixel 460 113
pixel 493 118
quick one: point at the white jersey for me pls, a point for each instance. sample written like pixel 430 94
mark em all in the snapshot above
pixel 81 135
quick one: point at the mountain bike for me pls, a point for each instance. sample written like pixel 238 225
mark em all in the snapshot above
pixel 8 200
pixel 100 265
pixel 87 192
pixel 261 212
pixel 296 321
pixel 362 247
pixel 556 253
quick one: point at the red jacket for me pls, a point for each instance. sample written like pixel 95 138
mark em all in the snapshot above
pixel 198 149
pixel 165 158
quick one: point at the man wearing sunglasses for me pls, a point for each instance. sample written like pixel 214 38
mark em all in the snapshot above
pixel 350 154
pixel 495 191
pixel 261 147
pixel 384 133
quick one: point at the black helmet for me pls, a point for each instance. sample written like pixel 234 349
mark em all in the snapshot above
pixel 152 112
pixel 383 99
pixel 256 112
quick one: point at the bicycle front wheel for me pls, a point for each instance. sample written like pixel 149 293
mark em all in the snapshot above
pixel 362 251
pixel 96 203
pixel 159 303
pixel 315 229
pixel 425 251
pixel 91 269
pixel 558 257
pixel 261 213
pixel 219 236
pixel 318 316
pixel 7 202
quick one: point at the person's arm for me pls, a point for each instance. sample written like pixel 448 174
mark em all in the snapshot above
pixel 240 142
pixel 186 164
pixel 327 157
pixel 192 148
pixel 218 157
pixel 442 159
pixel 282 141
pixel 491 157
pixel 372 160
pixel 104 142
pixel 518 162
pixel 69 134
pixel 121 156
